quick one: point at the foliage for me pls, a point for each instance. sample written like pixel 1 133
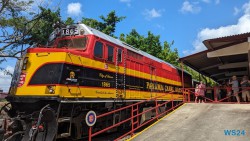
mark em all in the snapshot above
pixel 22 28
pixel 107 25
pixel 18 30
pixel 42 27
pixel 12 21
pixel 152 45
pixel 69 21
pixel 197 76
pixel 168 55
pixel 134 39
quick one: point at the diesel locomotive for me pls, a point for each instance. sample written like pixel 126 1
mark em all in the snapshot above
pixel 82 69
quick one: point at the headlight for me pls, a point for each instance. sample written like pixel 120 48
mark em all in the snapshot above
pixel 82 32
pixel 51 89
pixel 25 62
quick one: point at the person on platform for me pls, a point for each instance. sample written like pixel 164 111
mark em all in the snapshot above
pixel 196 92
pixel 217 91
pixel 229 91
pixel 235 88
pixel 244 85
pixel 201 92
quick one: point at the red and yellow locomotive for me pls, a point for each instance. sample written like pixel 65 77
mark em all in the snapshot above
pixel 83 69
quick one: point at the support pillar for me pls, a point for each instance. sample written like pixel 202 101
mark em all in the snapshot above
pixel 248 56
pixel 182 82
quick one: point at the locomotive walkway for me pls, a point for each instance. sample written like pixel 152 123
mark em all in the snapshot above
pixel 201 122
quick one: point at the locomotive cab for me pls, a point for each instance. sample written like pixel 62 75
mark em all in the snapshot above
pixel 41 69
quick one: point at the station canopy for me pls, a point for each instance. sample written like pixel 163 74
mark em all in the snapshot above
pixel 224 57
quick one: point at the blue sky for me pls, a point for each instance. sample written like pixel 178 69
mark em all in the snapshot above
pixel 187 22
pixel 182 21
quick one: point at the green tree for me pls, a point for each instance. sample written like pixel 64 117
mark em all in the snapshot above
pixel 134 39
pixel 92 23
pixel 168 55
pixel 152 45
pixel 107 25
pixel 122 37
pixel 42 27
pixel 69 21
pixel 12 21
pixel 21 28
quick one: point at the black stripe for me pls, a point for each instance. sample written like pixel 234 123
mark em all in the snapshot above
pixel 59 73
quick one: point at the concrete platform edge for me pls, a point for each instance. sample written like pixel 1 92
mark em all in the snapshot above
pixel 155 123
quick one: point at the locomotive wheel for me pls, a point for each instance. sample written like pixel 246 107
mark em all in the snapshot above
pixel 45 131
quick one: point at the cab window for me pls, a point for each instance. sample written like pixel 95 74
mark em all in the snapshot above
pixel 110 53
pixel 77 43
pixel 98 51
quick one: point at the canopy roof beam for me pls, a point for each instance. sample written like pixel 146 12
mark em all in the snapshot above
pixel 216 74
pixel 236 73
pixel 234 65
pixel 241 48
pixel 210 67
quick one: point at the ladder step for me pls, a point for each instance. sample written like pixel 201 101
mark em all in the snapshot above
pixel 64 119
pixel 135 122
pixel 63 135
pixel 135 110
pixel 120 84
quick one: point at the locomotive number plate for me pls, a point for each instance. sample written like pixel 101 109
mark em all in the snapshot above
pixel 70 31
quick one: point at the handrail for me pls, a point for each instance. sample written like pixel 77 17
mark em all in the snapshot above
pixel 214 94
pixel 134 118
pixel 147 122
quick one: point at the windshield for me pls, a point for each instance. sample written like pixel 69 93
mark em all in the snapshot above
pixel 79 43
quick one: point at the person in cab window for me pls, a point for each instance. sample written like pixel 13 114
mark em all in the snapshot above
pixel 245 92
pixel 235 88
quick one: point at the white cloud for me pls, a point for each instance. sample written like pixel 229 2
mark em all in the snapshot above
pixel 242 26
pixel 125 0
pixel 206 1
pixel 128 2
pixel 74 9
pixel 217 1
pixel 236 11
pixel 246 8
pixel 190 7
pixel 5 79
pixel 53 5
pixel 160 26
pixel 153 13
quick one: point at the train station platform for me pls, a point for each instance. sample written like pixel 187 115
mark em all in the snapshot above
pixel 201 122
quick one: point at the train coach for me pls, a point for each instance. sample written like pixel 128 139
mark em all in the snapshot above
pixel 83 69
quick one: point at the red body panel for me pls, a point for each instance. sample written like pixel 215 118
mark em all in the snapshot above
pixel 143 64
